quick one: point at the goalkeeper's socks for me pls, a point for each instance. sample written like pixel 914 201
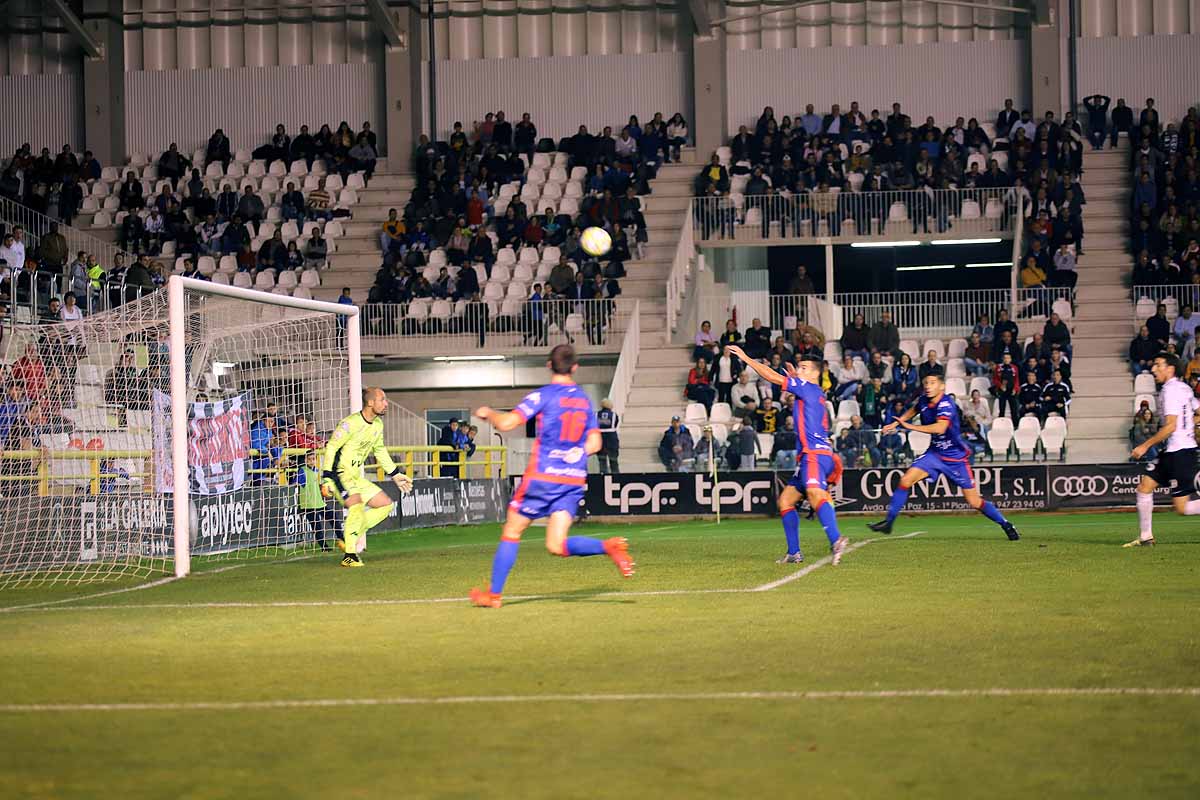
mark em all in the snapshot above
pixel 993 513
pixel 791 529
pixel 374 516
pixel 354 525
pixel 502 564
pixel 828 518
pixel 584 546
pixel 899 498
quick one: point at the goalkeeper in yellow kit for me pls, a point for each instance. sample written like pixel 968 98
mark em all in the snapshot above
pixel 354 439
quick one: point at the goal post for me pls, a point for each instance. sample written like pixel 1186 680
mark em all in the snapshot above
pixel 185 424
pixel 178 311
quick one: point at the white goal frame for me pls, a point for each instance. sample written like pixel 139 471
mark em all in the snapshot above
pixel 177 319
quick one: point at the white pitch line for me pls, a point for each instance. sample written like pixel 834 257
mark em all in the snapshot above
pixel 50 603
pixel 766 587
pixel 851 694
pixel 57 605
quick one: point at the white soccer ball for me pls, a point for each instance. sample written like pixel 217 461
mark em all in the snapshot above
pixel 596 242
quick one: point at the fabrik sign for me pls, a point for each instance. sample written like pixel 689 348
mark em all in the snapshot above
pixel 679 493
pixel 870 490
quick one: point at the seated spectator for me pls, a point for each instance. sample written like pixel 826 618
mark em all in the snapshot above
pixel 295 259
pixel 1057 334
pixel 273 253
pixel 1184 330
pixel 891 445
pixel 699 390
pixel 1029 398
pixel 1003 323
pixel 1037 349
pixel 977 358
pixel 318 203
pixel 878 368
pixel 906 382
pixel 316 250
pixel 847 448
pixel 1160 327
pixel 849 377
pixel 974 437
pixel 1006 384
pixel 676 447
pixel 218 149
pixel 292 204
pixel 979 410
pixel 872 398
pixel 731 334
pixel 884 337
pixel 1145 426
pixel 766 417
pixel 466 283
pixel 1056 396
pixel 707 451
pixel 855 339
pixel 758 339
pixel 783 448
pixel 459 243
pixel 1192 370
pixel 130 195
pixel 251 209
pixel 1032 274
pixel 172 165
pixel 931 366
pixel 744 392
pixel 1006 345
pixel 1064 273
pixel 705 342
pixel 481 251
pixel 362 156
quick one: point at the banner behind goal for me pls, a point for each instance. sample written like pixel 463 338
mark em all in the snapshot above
pixel 215 390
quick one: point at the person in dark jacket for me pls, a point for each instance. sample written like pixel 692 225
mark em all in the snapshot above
pixel 856 339
pixel 1097 108
pixel 676 446
pixel 610 443
pixel 1056 333
pixel 884 337
pixel 1142 351
pixel 758 339
pixel 448 438
pixel 1122 121
pixel 1160 327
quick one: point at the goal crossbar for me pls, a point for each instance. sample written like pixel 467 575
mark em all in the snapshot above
pixel 177 311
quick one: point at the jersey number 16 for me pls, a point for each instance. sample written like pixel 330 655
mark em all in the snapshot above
pixel 571 424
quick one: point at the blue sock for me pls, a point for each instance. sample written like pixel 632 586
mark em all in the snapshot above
pixel 502 564
pixel 899 498
pixel 828 519
pixel 993 513
pixel 584 546
pixel 791 530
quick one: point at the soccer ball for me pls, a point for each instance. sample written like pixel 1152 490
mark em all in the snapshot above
pixel 596 242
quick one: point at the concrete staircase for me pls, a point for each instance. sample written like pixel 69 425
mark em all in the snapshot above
pixel 1102 407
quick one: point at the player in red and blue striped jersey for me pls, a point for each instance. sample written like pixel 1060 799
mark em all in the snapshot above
pixel 947 455
pixel 556 476
pixel 817 466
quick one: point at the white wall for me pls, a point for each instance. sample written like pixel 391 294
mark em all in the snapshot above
pixel 1162 67
pixel 44 110
pixel 943 79
pixel 185 106
pixel 562 93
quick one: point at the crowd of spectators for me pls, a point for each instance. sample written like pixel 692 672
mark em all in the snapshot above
pixel 462 212
pixel 813 156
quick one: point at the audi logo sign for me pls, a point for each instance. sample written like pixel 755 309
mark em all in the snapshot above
pixel 1080 486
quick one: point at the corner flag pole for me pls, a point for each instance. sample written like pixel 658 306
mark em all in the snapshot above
pixel 716 500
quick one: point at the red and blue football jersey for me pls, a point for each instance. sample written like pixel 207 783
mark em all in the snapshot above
pixel 565 417
pixel 950 443
pixel 810 415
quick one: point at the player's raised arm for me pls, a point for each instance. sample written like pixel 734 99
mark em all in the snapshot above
pixel 939 426
pixel 900 420
pixel 764 372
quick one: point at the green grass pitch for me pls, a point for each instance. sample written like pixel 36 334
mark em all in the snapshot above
pixel 956 608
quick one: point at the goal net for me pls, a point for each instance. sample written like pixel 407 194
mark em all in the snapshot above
pixel 98 412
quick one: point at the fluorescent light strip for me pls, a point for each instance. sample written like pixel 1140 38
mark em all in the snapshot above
pixel 920 269
pixel 906 243
pixel 468 358
pixel 966 241
pixel 990 264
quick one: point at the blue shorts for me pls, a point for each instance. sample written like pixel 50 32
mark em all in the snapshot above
pixel 535 499
pixel 816 471
pixel 959 472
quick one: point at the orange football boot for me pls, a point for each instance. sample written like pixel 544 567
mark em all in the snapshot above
pixel 484 599
pixel 617 548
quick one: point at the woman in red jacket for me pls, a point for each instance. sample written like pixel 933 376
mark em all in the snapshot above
pixel 699 390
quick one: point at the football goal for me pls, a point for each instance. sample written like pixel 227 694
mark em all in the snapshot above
pixel 174 427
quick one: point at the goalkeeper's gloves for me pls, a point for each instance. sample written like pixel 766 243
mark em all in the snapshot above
pixel 330 486
pixel 402 481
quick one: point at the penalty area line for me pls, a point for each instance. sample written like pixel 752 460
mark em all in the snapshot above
pixel 816 565
pixel 631 697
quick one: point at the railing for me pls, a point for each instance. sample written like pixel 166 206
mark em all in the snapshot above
pixel 1175 296
pixel 511 326
pixel 927 314
pixel 681 270
pixel 622 380
pixel 29 295
pixel 849 216
pixel 38 225
pixel 100 466
pixel 405 426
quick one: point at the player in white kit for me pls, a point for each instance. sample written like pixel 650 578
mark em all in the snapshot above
pixel 1176 464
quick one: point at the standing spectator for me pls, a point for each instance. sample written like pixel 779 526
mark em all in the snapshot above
pixel 855 339
pixel 448 437
pixel 1097 108
pixel 1122 121
pixel 676 446
pixel 217 149
pixel 783 448
pixel 608 421
pixel 1160 327
pixel 172 165
pixel 699 389
pixel 884 337
pixel 801 283
pixel 266 450
pixel 53 249
pixel 725 369
pixel 743 446
pixel 1006 383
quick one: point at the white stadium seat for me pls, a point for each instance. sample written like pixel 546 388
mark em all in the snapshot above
pixel 1054 436
pixel 957 348
pixel 721 412
pixel 695 413
pixel 1144 384
pixel 848 409
pixel 982 384
pixel 1000 436
pixel 931 344
pixel 1026 436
